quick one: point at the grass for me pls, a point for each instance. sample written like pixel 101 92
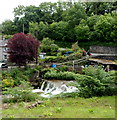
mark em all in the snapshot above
pixel 96 107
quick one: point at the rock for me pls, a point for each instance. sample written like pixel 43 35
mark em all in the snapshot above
pixel 37 91
pixel 35 104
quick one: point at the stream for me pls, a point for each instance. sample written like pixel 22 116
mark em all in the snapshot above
pixel 53 87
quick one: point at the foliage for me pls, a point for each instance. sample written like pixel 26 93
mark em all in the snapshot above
pixel 74 14
pixel 66 21
pixel 20 93
pixel 48 46
pixel 63 51
pixel 67 95
pixel 99 8
pixel 60 58
pixel 54 59
pixel 22 49
pixel 74 56
pixel 8 27
pixel 106 27
pixel 17 75
pixel 59 31
pixel 40 30
pixel 96 82
pixel 8 36
pixel 75 47
pixel 60 107
pixel 82 31
pixel 9 82
pixel 59 75
pixel 63 68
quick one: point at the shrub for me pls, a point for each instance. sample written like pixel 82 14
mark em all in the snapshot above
pixel 55 59
pixel 54 49
pixel 75 47
pixel 95 82
pixel 64 95
pixel 20 74
pixel 20 93
pixel 9 82
pixel 49 47
pixel 62 51
pixel 63 68
pixel 74 56
pixel 54 74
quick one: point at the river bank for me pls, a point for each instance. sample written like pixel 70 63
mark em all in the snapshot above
pixel 95 107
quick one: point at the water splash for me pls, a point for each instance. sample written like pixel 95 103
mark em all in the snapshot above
pixel 55 87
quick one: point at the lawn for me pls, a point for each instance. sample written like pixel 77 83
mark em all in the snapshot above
pixel 96 107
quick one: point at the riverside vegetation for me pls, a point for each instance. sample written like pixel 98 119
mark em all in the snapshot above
pixel 59 26
pixel 96 90
pixel 95 99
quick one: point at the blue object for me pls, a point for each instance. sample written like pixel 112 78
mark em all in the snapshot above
pixel 53 65
pixel 69 52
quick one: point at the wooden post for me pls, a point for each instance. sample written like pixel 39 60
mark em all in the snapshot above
pixel 23 28
pixel 73 65
pixel 108 68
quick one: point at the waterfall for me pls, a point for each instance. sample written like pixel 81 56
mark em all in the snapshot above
pixel 54 87
pixel 42 86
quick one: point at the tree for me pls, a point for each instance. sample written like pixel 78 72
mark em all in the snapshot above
pixel 59 30
pixel 40 30
pixel 74 14
pixel 8 27
pixel 106 27
pixel 82 31
pixel 1 28
pixel 99 8
pixel 23 48
pixel 48 46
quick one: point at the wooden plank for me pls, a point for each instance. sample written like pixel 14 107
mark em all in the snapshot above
pixel 102 61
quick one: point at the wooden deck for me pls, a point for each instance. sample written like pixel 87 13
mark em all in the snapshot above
pixel 102 61
pixel 108 55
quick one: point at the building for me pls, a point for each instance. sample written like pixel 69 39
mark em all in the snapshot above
pixel 3 50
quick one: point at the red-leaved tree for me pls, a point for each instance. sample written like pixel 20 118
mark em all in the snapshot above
pixel 23 48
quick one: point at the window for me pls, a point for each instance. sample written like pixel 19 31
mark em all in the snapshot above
pixel 4 49
pixel 5 56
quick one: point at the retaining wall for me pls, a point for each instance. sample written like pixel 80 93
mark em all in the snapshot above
pixel 103 49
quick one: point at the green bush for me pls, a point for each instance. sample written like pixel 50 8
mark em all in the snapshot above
pixel 96 82
pixel 49 47
pixel 55 59
pixel 54 49
pixel 63 68
pixel 20 93
pixel 61 59
pixel 64 95
pixel 59 75
pixel 75 47
pixel 9 82
pixel 74 56
pixel 20 74
pixel 62 51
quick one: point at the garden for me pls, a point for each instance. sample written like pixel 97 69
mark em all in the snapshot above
pixel 95 98
pixel 49 74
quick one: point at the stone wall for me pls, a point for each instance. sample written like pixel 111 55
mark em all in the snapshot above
pixel 103 49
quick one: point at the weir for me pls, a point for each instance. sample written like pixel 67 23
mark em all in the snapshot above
pixel 54 87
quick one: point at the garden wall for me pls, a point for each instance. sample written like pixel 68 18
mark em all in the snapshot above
pixel 103 49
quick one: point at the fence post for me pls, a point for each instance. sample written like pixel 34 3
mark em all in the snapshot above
pixel 73 65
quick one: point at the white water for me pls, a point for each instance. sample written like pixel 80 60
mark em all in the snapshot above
pixel 55 87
